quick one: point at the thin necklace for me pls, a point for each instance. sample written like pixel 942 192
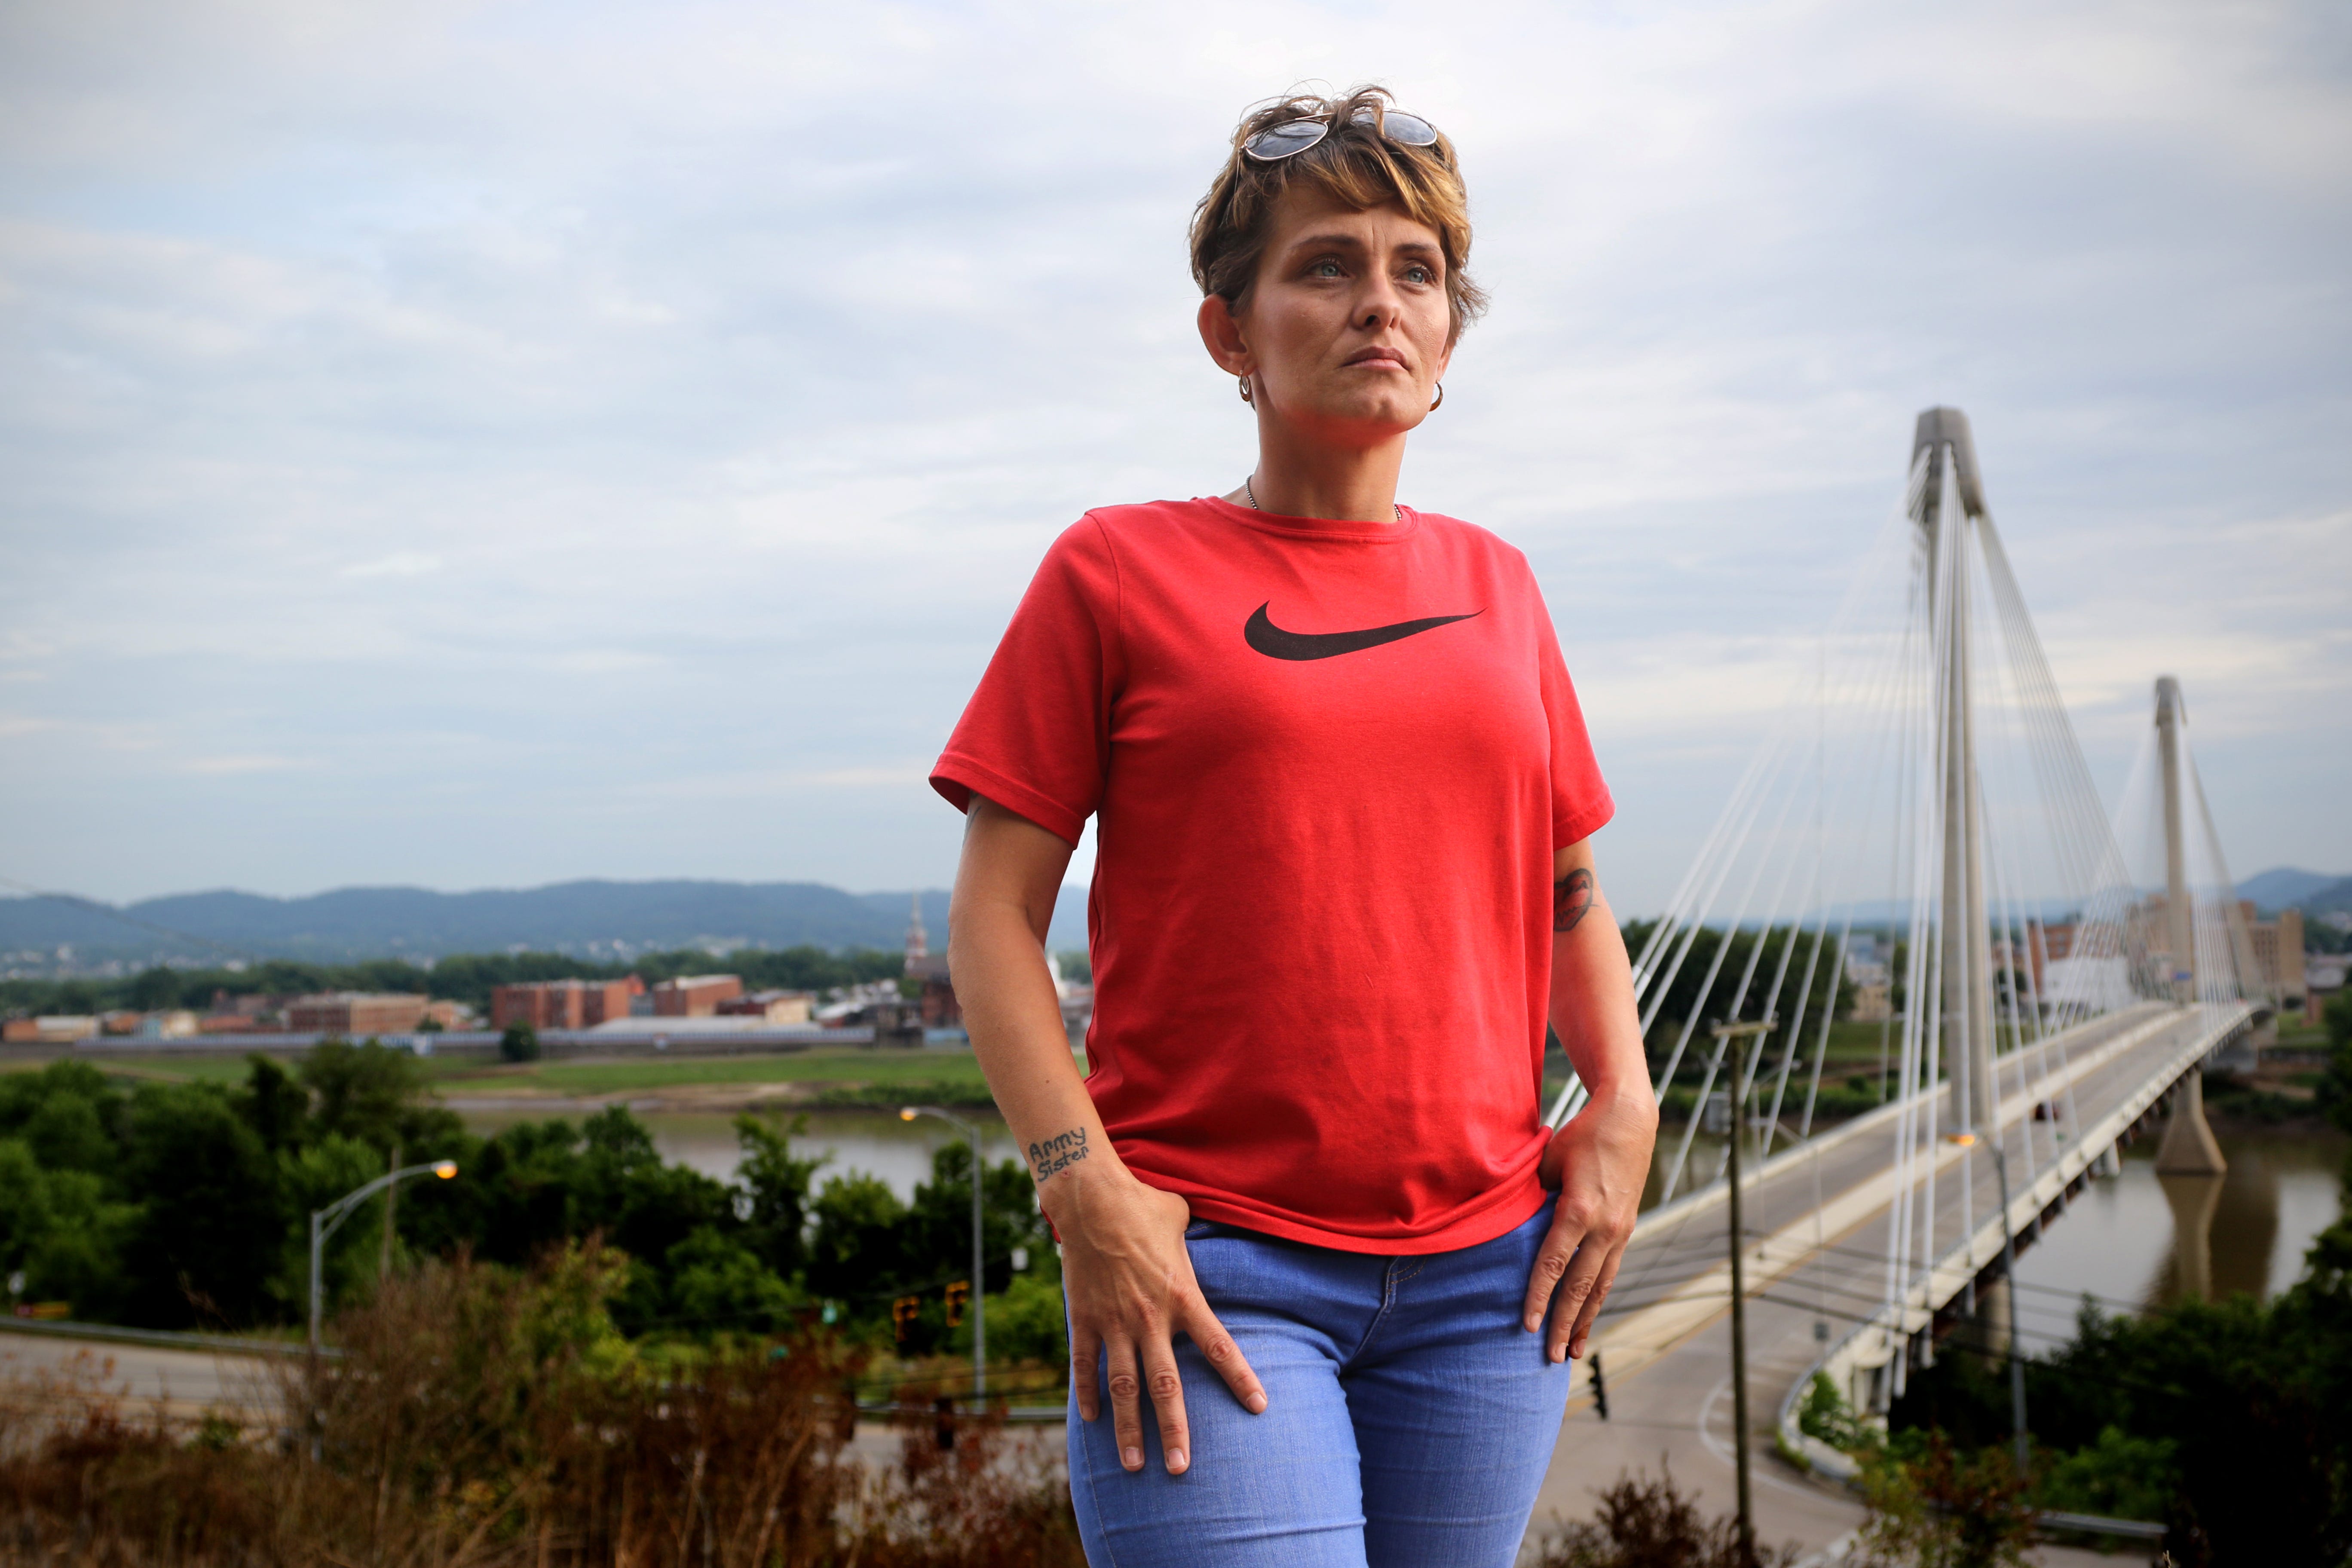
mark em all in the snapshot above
pixel 1250 490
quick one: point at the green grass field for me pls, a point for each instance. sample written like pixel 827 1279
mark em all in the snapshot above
pixel 834 1067
pixel 846 1067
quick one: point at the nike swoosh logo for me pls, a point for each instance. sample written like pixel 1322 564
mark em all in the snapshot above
pixel 1271 640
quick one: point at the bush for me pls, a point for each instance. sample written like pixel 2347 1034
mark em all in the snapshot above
pixel 1643 1523
pixel 519 1044
pixel 482 1417
pixel 1826 1415
pixel 1946 1510
pixel 2119 1477
pixel 1027 1322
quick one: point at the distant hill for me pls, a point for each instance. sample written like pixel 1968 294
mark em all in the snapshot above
pixel 586 919
pixel 2282 886
pixel 2335 898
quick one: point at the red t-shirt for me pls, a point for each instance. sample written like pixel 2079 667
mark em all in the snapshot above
pixel 1332 762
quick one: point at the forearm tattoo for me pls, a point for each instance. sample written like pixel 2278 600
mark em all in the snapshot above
pixel 1571 899
pixel 1057 1153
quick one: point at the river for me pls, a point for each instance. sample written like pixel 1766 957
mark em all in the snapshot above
pixel 2131 1241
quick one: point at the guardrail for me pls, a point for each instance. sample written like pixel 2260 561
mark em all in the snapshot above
pixel 161 1339
pixel 1650 1332
pixel 1873 1343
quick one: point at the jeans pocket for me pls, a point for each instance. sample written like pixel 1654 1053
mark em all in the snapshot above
pixel 1202 1229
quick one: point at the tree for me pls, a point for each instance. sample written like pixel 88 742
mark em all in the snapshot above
pixel 2335 1087
pixel 1684 1000
pixel 858 1252
pixel 376 1095
pixel 519 1044
pixel 66 1134
pixel 212 1223
pixel 155 988
pixel 716 1285
pixel 276 1106
pixel 776 1184
pixel 23 1096
pixel 940 1219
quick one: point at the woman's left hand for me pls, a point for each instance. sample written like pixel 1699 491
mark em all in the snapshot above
pixel 1599 1162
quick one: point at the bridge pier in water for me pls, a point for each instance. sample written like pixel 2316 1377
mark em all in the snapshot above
pixel 2190 1148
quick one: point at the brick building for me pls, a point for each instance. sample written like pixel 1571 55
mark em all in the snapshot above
pixel 351 1013
pixel 563 1004
pixel 2278 954
pixel 695 995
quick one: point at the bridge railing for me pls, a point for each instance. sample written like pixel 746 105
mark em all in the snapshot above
pixel 1869 1346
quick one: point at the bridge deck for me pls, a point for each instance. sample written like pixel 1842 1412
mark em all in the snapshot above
pixel 1665 1338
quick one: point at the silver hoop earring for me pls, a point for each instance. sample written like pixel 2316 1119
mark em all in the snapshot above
pixel 1441 397
pixel 1246 393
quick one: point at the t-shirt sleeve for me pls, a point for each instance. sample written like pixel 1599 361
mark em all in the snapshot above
pixel 1035 737
pixel 1580 806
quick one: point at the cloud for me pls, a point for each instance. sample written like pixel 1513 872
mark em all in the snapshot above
pixel 219 766
pixel 400 563
pixel 543 422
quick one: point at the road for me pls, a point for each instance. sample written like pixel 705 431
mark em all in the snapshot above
pixel 1665 1339
pixel 49 1373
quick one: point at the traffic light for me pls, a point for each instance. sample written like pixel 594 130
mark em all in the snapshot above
pixel 903 1313
pixel 958 1293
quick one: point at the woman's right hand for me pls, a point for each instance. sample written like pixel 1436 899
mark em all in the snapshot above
pixel 1128 1280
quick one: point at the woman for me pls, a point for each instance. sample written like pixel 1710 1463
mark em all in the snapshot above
pixel 1344 802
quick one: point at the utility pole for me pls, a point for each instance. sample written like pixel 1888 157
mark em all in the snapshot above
pixel 2009 1278
pixel 391 1211
pixel 2008 1281
pixel 1733 1034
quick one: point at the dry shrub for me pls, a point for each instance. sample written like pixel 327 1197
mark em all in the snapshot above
pixel 1643 1523
pixel 479 1419
pixel 990 1500
pixel 81 1483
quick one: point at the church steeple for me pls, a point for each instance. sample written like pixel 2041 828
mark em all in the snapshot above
pixel 919 941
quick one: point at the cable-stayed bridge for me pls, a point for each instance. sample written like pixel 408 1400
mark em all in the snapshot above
pixel 1919 833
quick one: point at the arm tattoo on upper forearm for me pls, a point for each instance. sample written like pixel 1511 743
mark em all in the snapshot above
pixel 1057 1153
pixel 1571 899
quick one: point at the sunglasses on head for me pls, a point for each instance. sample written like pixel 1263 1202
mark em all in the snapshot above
pixel 1295 136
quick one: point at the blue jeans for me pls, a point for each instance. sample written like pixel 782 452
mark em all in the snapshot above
pixel 1409 1418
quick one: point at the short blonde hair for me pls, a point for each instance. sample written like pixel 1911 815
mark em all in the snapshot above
pixel 1356 165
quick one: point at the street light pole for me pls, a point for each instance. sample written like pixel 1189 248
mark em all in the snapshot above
pixel 324 1221
pixel 979 1253
pixel 1732 1034
pixel 2009 1278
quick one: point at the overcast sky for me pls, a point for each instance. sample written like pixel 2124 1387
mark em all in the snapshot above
pixel 480 445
